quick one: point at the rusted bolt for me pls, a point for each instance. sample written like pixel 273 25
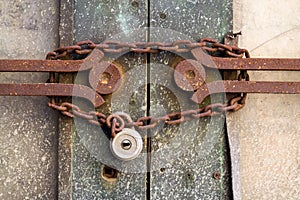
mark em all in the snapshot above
pixel 216 175
pixel 109 174
pixel 162 15
pixel 105 77
pixel 189 75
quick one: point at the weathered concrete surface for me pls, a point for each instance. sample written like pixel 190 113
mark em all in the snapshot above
pixel 268 127
pixel 28 29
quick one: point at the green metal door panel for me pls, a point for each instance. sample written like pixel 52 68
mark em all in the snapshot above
pixel 195 18
pixel 100 20
pixel 186 159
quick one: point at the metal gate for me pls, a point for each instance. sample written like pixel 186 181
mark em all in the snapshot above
pixel 46 155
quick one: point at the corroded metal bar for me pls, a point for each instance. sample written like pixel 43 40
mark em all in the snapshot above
pixel 52 65
pixel 261 64
pixel 268 64
pixel 245 87
pixel 51 89
pixel 40 65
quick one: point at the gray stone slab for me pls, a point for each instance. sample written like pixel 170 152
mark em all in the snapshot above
pixel 265 135
pixel 28 137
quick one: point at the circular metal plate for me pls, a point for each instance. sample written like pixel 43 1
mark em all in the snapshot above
pixel 105 78
pixel 189 75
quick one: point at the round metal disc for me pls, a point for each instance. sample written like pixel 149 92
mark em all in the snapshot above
pixel 189 75
pixel 105 78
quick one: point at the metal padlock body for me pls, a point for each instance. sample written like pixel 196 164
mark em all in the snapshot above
pixel 127 144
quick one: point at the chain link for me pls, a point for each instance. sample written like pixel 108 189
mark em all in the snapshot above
pixel 83 48
pixel 116 122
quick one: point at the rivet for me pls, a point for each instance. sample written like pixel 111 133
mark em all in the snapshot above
pixel 135 4
pixel 162 15
pixel 216 175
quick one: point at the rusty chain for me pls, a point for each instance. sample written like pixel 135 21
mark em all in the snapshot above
pixel 123 120
pixel 83 48
pixel 117 121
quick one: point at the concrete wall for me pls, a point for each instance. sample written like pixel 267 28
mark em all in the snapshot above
pixel 28 165
pixel 268 128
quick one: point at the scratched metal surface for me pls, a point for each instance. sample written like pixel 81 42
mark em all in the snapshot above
pixel 99 20
pixel 185 157
pixel 186 173
pixel 28 144
pixel 196 18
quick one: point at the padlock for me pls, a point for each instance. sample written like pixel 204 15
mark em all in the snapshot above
pixel 127 144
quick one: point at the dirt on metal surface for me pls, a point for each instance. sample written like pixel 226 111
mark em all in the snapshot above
pixel 40 65
pixel 245 87
pixel 51 89
pixel 268 64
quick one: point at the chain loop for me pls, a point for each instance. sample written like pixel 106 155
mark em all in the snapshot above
pixel 84 48
pixel 117 121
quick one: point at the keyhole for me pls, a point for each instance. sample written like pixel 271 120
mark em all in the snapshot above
pixel 190 74
pixel 105 78
pixel 126 144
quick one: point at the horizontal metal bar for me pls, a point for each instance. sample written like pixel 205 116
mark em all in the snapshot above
pixel 268 64
pixel 41 65
pixel 51 89
pixel 245 87
pixel 52 65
